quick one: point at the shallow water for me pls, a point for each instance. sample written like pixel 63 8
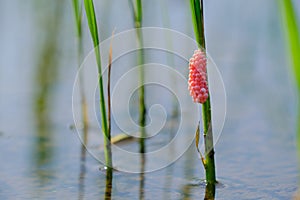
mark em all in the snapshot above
pixel 41 155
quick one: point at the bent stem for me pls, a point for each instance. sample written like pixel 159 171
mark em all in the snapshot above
pixel 92 22
pixel 209 162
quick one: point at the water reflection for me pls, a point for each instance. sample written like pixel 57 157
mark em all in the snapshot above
pixel 297 194
pixel 82 173
pixel 84 110
pixel 142 178
pixel 142 103
pixel 186 192
pixel 45 77
pixel 108 183
pixel 174 120
pixel 210 191
pixel 188 174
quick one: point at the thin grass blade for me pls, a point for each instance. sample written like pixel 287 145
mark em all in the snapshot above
pixel 92 22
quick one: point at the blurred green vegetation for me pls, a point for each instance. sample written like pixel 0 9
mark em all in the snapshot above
pixel 45 78
pixel 289 20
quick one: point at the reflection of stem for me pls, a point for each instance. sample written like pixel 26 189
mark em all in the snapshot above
pixel 84 111
pixel 188 171
pixel 297 195
pixel 198 20
pixel 108 185
pixel 82 162
pixel 45 77
pixel 169 173
pixel 142 177
pixel 186 192
pixel 82 165
pixel 210 190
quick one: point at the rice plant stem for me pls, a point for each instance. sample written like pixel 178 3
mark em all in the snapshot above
pixel 108 87
pixel 92 22
pixel 138 15
pixel 198 22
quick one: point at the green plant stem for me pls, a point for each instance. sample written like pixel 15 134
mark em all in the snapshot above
pixel 108 89
pixel 92 22
pixel 142 106
pixel 198 21
pixel 138 15
pixel 77 14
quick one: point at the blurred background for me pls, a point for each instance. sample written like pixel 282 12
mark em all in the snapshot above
pixel 40 153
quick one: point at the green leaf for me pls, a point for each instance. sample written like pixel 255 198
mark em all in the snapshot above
pixel 91 17
pixel 139 14
pixel 137 11
pixel 92 22
pixel 292 35
pixel 78 14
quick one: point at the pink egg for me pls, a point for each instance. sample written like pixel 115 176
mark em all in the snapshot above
pixel 198 77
